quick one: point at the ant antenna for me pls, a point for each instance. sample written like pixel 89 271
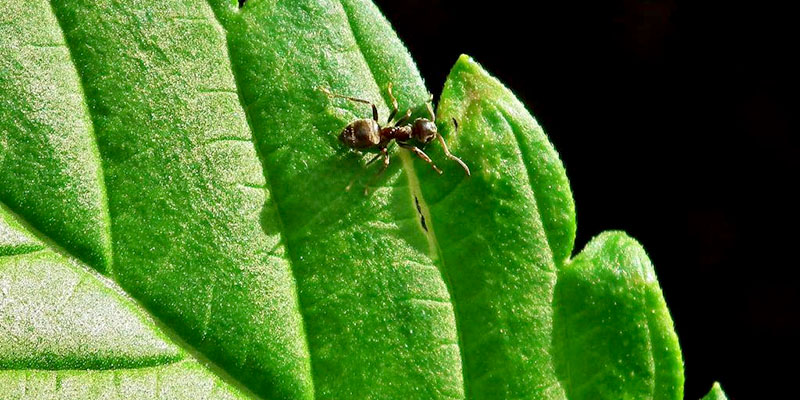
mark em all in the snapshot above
pixel 331 94
pixel 429 105
pixel 394 105
pixel 447 151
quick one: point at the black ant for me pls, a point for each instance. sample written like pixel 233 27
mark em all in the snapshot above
pixel 363 134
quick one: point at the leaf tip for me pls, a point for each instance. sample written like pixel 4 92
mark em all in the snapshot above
pixel 624 251
pixel 467 64
pixel 465 59
pixel 716 393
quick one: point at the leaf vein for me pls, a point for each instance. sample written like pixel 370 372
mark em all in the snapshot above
pixel 109 267
pixel 525 160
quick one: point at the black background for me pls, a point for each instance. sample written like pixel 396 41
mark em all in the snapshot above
pixel 675 121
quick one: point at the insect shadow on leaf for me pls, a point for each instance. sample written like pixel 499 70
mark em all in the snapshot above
pixel 368 134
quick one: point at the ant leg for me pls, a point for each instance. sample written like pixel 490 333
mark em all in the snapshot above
pixel 385 154
pixel 394 105
pixel 374 109
pixel 447 151
pixel 421 155
pixel 404 118
pixel 373 159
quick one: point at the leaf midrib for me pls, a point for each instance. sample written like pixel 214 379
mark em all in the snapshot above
pixel 437 256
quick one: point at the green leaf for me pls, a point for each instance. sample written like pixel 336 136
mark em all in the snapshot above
pixel 68 333
pixel 192 237
pixel 56 316
pixel 716 393
pixel 613 334
pixel 603 331
pixel 490 115
pixel 375 307
pixel 500 234
pixel 184 380
pixel 47 150
pixel 183 154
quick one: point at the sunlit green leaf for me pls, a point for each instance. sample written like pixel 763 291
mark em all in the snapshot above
pixel 174 220
pixel 501 234
pixel 613 334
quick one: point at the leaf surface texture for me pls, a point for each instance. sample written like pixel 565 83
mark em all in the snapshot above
pixel 174 220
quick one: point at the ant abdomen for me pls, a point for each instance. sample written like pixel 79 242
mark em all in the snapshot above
pixel 361 134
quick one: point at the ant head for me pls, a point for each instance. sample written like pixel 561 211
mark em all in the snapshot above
pixel 361 134
pixel 424 130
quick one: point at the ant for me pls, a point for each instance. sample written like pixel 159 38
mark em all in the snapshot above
pixel 363 134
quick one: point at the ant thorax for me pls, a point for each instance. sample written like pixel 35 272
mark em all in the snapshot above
pixel 399 133
pixel 422 130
